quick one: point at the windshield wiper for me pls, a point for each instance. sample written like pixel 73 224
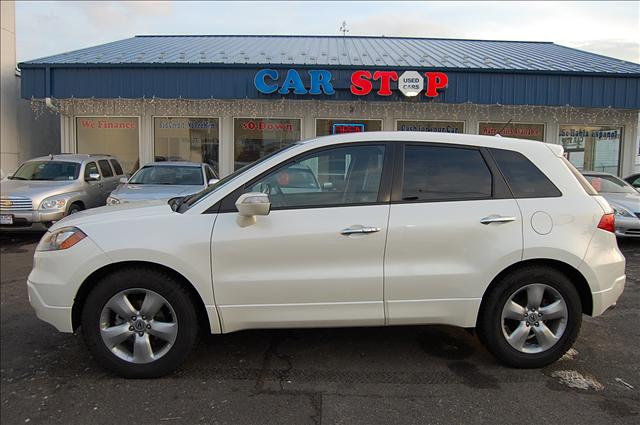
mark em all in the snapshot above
pixel 17 178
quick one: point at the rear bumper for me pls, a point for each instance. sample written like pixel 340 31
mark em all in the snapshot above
pixel 59 317
pixel 31 220
pixel 604 299
pixel 604 269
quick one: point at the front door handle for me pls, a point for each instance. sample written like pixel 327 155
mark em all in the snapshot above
pixel 359 229
pixel 497 219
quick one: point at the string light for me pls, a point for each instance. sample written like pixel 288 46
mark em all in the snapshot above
pixel 356 109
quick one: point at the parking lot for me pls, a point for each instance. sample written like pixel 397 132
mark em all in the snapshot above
pixel 408 375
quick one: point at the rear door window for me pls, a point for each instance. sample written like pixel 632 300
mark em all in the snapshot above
pixel 105 168
pixel 440 173
pixel 523 177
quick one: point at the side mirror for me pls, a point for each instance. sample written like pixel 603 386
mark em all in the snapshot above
pixel 327 185
pixel 93 177
pixel 213 181
pixel 124 180
pixel 253 203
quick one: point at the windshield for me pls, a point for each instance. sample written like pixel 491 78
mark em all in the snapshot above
pixel 192 199
pixel 609 184
pixel 175 175
pixel 47 170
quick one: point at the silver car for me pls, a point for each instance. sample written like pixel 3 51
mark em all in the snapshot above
pixel 164 180
pixel 624 199
pixel 45 189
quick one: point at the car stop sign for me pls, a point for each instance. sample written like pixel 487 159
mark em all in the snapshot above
pixel 410 83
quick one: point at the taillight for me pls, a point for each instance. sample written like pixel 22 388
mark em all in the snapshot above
pixel 608 223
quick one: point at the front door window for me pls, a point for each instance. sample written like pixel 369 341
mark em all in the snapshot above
pixel 332 177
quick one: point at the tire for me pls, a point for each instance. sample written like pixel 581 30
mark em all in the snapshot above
pixel 523 341
pixel 151 346
pixel 74 208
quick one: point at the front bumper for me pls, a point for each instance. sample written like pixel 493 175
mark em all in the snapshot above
pixel 627 227
pixel 31 220
pixel 59 317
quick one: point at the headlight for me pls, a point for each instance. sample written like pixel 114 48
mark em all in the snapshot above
pixel 60 239
pixel 112 201
pixel 53 203
pixel 622 211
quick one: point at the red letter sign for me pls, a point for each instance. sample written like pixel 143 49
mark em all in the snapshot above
pixel 385 78
pixel 435 81
pixel 360 83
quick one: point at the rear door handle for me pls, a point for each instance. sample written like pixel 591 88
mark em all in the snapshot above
pixel 497 219
pixel 356 228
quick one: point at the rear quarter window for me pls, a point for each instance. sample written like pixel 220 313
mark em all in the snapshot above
pixel 523 177
pixel 116 167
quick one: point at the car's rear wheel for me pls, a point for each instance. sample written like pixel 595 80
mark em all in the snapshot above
pixel 139 323
pixel 531 317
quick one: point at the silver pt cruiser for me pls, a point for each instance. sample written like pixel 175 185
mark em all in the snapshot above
pixel 45 189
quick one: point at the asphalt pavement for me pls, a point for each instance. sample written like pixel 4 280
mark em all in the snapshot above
pixel 395 375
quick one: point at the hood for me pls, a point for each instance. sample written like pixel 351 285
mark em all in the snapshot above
pixel 115 213
pixel 145 192
pixel 37 190
pixel 630 201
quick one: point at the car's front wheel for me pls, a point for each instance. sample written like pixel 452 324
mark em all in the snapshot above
pixel 531 317
pixel 139 323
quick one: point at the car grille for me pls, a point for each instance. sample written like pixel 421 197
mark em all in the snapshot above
pixel 15 203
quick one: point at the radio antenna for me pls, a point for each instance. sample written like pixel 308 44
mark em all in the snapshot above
pixel 505 126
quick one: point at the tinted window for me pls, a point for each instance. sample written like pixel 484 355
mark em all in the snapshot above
pixel 340 176
pixel 104 167
pixel 116 166
pixel 47 170
pixel 523 177
pixel 442 173
pixel 91 168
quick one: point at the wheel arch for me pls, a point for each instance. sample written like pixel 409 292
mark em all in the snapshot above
pixel 77 202
pixel 574 275
pixel 89 283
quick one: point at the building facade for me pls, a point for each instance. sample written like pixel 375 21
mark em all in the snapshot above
pixel 228 100
pixel 22 136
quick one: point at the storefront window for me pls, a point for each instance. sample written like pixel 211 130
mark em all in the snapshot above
pixel 187 139
pixel 325 127
pixel 431 126
pixel 592 148
pixel 517 130
pixel 117 136
pixel 257 137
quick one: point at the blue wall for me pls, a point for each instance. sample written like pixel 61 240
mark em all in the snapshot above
pixel 203 82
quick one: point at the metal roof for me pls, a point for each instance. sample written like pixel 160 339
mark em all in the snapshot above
pixel 340 51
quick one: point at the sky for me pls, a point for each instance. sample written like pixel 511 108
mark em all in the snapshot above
pixel 608 28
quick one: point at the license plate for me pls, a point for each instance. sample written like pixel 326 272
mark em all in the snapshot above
pixel 6 219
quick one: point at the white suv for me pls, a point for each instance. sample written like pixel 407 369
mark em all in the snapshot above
pixel 390 229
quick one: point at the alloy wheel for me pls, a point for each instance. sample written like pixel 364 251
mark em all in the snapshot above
pixel 534 318
pixel 138 325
